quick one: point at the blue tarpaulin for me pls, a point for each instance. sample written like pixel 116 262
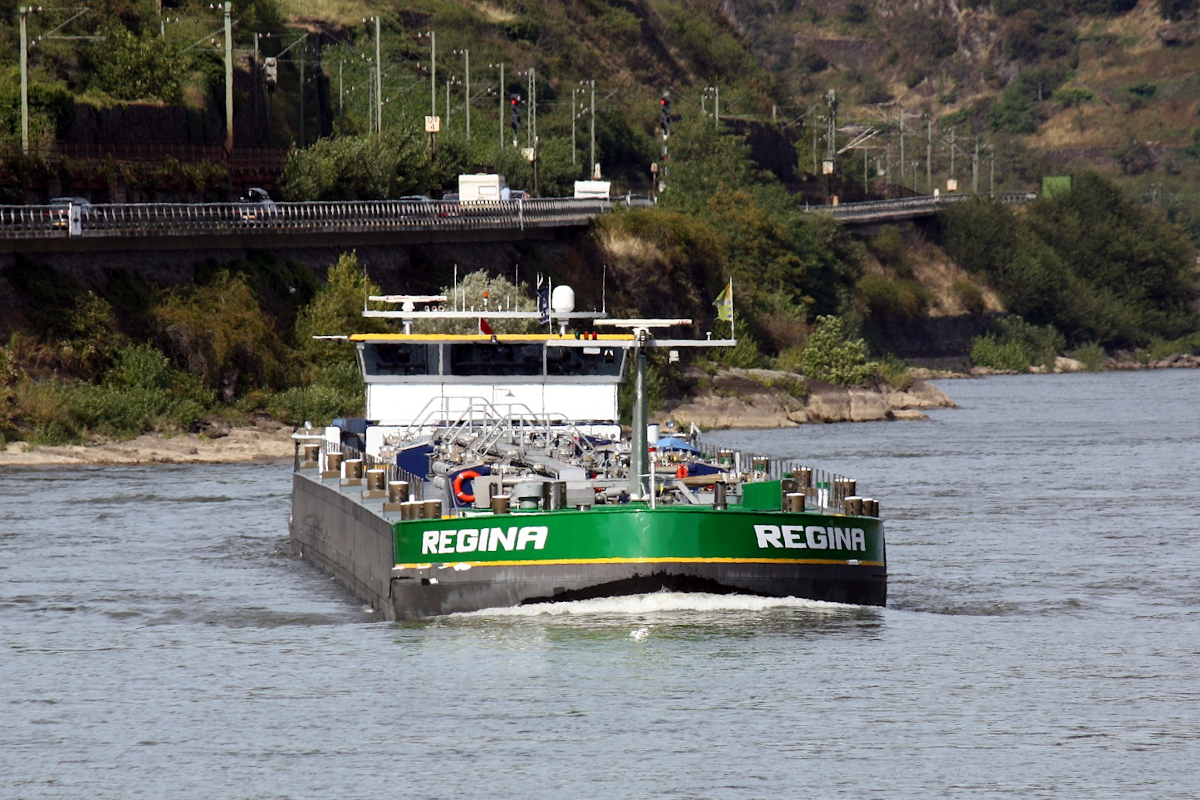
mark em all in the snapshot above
pixel 675 443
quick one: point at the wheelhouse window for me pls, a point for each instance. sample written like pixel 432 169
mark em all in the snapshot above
pixel 485 358
pixel 404 358
pixel 566 361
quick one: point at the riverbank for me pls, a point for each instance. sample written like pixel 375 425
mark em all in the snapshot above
pixel 763 398
pixel 732 398
pixel 263 442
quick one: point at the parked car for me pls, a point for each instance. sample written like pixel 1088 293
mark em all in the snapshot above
pixel 59 210
pixel 256 205
pixel 449 207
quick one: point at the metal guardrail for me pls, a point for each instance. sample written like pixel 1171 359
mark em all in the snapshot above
pixel 182 219
pixel 872 210
pixel 176 219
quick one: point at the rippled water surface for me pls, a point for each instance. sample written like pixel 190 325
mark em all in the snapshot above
pixel 1042 637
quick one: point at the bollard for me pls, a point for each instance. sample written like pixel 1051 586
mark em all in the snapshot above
pixel 870 507
pixel 333 466
pixel 803 477
pixel 500 504
pixel 311 453
pixel 719 502
pixel 397 491
pixel 376 480
pixel 354 472
pixel 795 502
pixel 554 495
pixel 853 506
pixel 433 509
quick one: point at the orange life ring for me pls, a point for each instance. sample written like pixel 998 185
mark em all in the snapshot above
pixel 682 472
pixel 465 475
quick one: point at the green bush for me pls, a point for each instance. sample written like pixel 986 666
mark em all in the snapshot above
pixel 995 352
pixel 319 404
pixel 970 296
pixel 885 300
pixel 364 167
pixel 140 366
pixel 1016 344
pixel 1162 348
pixel 1091 355
pixel 832 357
pixel 895 372
pixel 132 67
pixel 219 332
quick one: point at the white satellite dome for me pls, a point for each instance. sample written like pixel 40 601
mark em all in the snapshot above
pixel 562 300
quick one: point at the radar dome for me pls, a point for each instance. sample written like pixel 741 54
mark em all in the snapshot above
pixel 562 301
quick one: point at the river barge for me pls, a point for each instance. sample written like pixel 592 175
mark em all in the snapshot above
pixel 492 471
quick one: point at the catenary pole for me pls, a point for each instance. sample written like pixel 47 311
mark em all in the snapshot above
pixel 228 76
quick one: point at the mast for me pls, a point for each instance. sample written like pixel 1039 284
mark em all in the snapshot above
pixel 638 457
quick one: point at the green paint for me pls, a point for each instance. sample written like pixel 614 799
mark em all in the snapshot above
pixel 763 495
pixel 634 531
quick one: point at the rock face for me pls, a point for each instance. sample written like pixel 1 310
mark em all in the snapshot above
pixel 740 398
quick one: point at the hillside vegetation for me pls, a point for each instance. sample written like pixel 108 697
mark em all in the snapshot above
pixel 991 94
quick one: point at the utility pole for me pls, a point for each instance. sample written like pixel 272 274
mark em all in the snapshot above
pixel 228 76
pixel 378 83
pixel 816 166
pixel 23 11
pixel 928 156
pixel 533 101
pixel 975 169
pixel 573 142
pixel 433 74
pixel 902 141
pixel 952 131
pixel 592 114
pixel 303 47
pixel 467 58
pixel 254 83
pixel 501 93
pixel 717 106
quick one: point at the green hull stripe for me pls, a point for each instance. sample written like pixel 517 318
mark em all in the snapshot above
pixel 642 561
pixel 633 535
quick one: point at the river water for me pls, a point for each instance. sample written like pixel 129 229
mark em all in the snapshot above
pixel 1042 637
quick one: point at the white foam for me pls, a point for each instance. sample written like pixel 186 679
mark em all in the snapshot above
pixel 657 603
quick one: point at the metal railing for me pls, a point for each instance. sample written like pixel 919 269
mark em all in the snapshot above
pixel 913 206
pixel 824 493
pixel 179 219
pixel 416 485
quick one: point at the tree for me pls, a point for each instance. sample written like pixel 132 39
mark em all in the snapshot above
pixel 833 357
pixel 336 310
pixel 219 332
pixel 131 67
pixel 364 167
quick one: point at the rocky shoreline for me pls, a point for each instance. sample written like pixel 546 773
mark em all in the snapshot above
pixel 763 398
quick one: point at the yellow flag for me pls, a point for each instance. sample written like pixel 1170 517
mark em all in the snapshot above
pixel 724 303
